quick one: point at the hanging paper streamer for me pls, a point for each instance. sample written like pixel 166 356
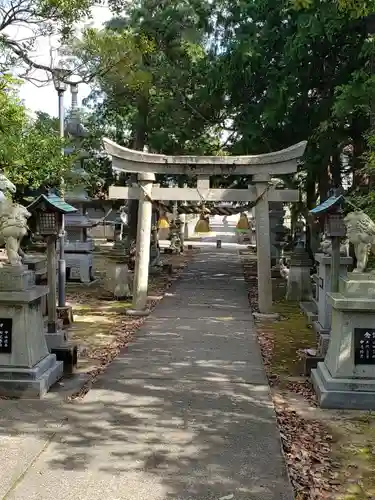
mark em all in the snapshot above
pixel 243 225
pixel 203 225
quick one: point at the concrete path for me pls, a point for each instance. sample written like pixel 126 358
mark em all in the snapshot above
pixel 183 414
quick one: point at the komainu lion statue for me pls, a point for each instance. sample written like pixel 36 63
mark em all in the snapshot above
pixel 13 227
pixel 361 233
pixel 326 247
pixel 13 222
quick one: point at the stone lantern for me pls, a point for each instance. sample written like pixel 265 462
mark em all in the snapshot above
pixel 47 219
pixel 28 366
pixel 331 266
pixel 332 214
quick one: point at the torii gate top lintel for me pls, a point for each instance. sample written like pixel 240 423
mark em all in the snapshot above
pixel 279 162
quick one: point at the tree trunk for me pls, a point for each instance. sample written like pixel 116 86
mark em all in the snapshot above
pixel 323 181
pixel 335 169
pixel 360 178
pixel 311 222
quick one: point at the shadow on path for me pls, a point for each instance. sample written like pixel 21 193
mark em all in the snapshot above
pixel 184 413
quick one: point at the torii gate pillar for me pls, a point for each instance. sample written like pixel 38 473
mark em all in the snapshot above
pixel 140 283
pixel 262 221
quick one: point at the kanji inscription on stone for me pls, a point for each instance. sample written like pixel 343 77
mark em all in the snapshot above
pixel 6 325
pixel 364 346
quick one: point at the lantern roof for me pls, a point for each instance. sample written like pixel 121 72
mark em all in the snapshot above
pixel 328 205
pixel 54 203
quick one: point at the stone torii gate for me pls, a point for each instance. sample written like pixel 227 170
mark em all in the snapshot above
pixel 260 167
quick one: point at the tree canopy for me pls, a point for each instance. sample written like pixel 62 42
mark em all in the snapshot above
pixel 30 150
pixel 224 77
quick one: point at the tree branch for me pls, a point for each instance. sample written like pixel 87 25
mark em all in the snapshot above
pixel 11 14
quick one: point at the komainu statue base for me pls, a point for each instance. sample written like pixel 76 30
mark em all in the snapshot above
pixel 346 378
pixel 27 369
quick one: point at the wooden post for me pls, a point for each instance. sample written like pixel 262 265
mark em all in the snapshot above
pixel 52 284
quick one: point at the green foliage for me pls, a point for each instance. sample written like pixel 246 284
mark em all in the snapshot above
pixel 224 77
pixel 38 161
pixel 152 85
pixel 351 8
pixel 12 118
pixel 357 8
pixel 30 152
pixel 65 12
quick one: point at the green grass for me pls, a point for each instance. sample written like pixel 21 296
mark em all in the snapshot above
pixel 289 335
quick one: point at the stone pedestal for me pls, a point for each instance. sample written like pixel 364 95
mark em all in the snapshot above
pixel 182 230
pixel 346 378
pixel 310 309
pixel 27 369
pixel 68 355
pixel 120 245
pixel 56 339
pixel 38 263
pixel 79 247
pixel 322 326
pixel 299 281
pixel 117 281
pixel 79 267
